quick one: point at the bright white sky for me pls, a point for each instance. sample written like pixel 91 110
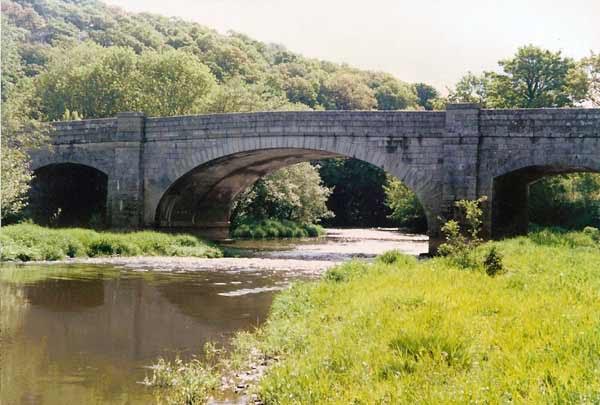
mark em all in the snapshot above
pixel 432 41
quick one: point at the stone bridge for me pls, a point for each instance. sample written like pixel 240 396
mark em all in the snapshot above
pixel 184 172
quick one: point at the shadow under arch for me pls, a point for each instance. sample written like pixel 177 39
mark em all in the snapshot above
pixel 68 194
pixel 202 199
pixel 510 195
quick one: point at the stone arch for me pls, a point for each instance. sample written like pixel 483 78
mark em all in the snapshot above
pixel 509 188
pixel 223 170
pixel 101 160
pixel 69 194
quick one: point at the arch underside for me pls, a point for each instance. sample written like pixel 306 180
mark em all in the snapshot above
pixel 510 196
pixel 68 194
pixel 203 197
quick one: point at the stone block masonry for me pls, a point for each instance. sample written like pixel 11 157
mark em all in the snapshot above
pixel 184 172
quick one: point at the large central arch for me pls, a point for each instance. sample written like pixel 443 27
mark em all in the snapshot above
pixel 202 198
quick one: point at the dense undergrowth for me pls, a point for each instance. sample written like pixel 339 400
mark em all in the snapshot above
pixel 401 330
pixel 272 228
pixel 26 242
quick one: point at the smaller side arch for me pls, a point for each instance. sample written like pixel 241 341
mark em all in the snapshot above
pixel 71 154
pixel 69 194
pixel 509 214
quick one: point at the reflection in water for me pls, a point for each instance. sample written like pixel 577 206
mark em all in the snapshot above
pixel 84 334
pixel 76 335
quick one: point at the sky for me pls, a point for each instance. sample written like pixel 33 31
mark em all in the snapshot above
pixel 431 41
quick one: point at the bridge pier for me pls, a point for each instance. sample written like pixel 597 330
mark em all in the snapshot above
pixel 125 184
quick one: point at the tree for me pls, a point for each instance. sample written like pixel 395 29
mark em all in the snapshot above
pixel 100 82
pixel 347 91
pixel 172 83
pixel 358 196
pixel 591 67
pixel 405 206
pixel 293 193
pixel 470 89
pixel 568 201
pixel 94 81
pixel 535 78
pixel 20 131
pixel 425 95
pixel 235 95
pixel 390 93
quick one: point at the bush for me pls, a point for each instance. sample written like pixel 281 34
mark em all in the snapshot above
pixel 271 228
pixel 462 234
pixel 395 257
pixel 347 271
pixel 109 245
pixel 592 232
pixel 493 262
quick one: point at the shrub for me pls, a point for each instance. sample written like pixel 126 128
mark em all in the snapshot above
pixel 313 230
pixel 592 232
pixel 51 252
pixel 493 262
pixel 462 234
pixel 259 233
pixel 392 257
pixel 75 248
pixel 346 272
pixel 271 228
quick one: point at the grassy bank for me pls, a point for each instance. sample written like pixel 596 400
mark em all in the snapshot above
pixel 271 228
pixel 402 331
pixel 25 242
pixel 406 331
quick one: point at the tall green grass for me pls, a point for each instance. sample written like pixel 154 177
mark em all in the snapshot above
pixel 404 331
pixel 26 242
pixel 272 228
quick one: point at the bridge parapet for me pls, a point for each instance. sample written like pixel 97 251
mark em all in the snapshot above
pixel 540 122
pixel 391 124
pixel 83 131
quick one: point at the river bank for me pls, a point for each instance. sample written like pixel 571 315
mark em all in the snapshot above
pixel 408 331
pixel 86 330
pixel 29 242
pixel 400 330
pixel 307 254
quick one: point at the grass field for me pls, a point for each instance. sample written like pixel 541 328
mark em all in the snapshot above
pixel 403 331
pixel 26 242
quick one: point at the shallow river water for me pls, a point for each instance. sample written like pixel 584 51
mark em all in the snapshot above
pixel 85 333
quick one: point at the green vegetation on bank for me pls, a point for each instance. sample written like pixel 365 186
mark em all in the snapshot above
pixel 284 204
pixel 399 330
pixel 272 228
pixel 25 242
pixel 403 331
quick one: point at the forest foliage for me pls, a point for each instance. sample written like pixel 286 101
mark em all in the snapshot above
pixel 79 59
pixel 84 59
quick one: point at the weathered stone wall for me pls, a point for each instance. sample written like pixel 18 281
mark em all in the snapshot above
pixel 161 166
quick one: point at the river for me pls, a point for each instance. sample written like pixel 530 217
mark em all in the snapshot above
pixel 85 332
